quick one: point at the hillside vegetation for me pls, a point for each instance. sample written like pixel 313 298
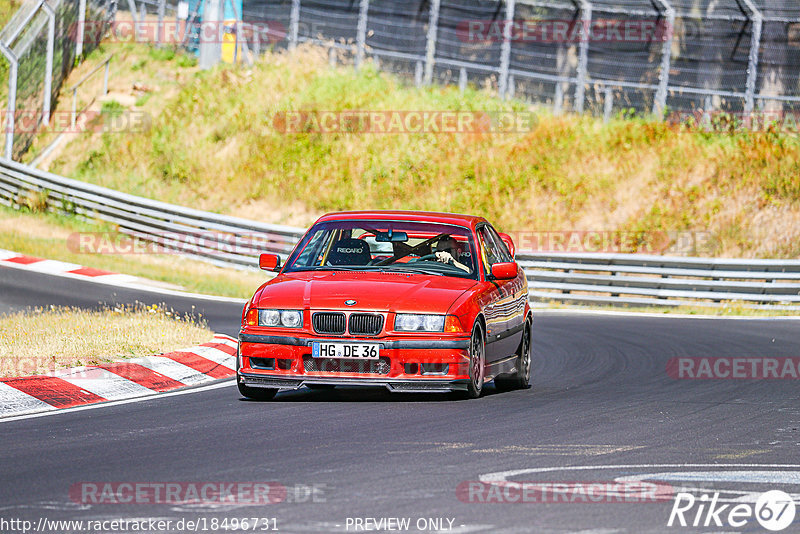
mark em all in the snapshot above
pixel 213 144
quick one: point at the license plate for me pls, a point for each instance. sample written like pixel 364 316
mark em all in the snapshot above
pixel 353 351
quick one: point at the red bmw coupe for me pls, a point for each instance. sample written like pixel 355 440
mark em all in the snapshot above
pixel 410 301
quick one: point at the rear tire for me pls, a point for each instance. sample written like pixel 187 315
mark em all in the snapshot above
pixel 521 379
pixel 257 394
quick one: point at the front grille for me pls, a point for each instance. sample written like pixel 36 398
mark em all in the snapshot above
pixel 365 324
pixel 328 323
pixel 340 365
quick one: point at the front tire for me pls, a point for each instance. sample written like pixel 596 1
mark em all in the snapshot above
pixel 477 362
pixel 521 379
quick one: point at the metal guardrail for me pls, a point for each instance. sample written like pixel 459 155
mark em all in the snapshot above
pixel 618 279
pixel 219 239
pixel 644 280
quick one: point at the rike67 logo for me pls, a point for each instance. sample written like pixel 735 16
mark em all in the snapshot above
pixel 774 510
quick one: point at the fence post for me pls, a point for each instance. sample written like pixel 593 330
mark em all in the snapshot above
pixel 12 98
pixel 135 16
pixel 608 103
pixel 505 50
pixel 418 74
pixel 752 61
pixel 161 9
pixel 462 79
pixel 660 101
pixel 558 99
pixel 105 76
pixel 430 48
pixel 143 20
pixel 583 51
pixel 361 32
pixel 48 74
pixel 294 24
pixel 211 49
pixel 81 28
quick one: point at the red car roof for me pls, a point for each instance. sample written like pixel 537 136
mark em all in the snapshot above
pixel 424 216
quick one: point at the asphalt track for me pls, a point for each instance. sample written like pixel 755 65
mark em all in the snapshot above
pixel 602 398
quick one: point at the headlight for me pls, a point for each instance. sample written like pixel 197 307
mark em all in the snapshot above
pixel 286 318
pixel 413 322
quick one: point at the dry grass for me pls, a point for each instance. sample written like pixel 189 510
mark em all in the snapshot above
pixel 212 145
pixel 44 340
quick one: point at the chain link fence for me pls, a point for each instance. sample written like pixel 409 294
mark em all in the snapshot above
pixel 741 57
pixel 40 45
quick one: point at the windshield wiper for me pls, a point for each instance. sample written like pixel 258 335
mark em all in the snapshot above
pixel 410 270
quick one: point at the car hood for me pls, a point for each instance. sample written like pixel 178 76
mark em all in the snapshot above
pixel 372 291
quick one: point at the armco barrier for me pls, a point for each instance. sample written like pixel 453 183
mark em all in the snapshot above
pixel 620 279
pixel 196 233
pixel 638 279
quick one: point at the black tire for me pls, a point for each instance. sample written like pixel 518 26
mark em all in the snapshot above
pixel 258 394
pixel 521 379
pixel 320 386
pixel 477 363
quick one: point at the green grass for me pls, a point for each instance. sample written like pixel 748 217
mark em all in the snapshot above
pixel 46 235
pixel 213 144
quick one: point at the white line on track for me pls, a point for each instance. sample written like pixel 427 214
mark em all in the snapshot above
pixel 227 382
pixel 502 476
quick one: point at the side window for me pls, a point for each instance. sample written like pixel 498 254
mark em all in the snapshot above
pixel 313 249
pixel 498 242
pixel 490 252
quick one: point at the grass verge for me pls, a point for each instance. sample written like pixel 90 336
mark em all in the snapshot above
pixel 46 339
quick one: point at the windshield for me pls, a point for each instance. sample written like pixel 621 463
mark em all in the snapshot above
pixel 395 246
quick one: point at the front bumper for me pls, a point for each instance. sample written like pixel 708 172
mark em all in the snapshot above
pixel 405 364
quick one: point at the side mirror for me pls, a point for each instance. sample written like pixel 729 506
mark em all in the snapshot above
pixel 512 249
pixel 269 262
pixel 505 270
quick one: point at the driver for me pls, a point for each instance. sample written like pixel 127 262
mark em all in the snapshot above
pixel 447 251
